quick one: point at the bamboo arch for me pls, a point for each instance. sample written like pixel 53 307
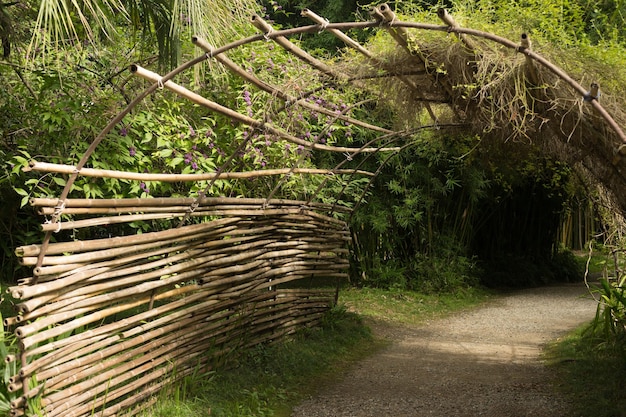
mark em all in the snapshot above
pixel 104 324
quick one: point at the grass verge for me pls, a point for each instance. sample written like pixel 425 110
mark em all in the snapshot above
pixel 409 307
pixel 270 380
pixel 590 372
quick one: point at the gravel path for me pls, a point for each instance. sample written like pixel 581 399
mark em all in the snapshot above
pixel 483 362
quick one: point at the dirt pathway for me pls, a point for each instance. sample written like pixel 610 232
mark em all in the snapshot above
pixel 483 362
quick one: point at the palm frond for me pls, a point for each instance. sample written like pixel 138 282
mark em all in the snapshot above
pixel 216 21
pixel 57 22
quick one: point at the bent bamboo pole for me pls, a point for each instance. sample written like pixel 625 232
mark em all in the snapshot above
pixel 171 201
pixel 118 241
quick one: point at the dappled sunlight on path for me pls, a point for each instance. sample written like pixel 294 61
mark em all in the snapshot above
pixel 482 362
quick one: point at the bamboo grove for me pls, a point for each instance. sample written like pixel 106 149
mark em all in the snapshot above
pixel 103 324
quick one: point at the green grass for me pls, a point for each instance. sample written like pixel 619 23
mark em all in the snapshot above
pixel 591 373
pixel 270 380
pixel 409 307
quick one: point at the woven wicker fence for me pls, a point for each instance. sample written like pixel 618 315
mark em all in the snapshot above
pixel 105 323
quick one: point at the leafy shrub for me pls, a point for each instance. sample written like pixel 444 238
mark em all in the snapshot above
pixel 610 319
pixel 443 273
pixel 388 275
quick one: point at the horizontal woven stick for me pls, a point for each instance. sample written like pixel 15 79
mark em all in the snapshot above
pixel 63 350
pixel 107 348
pixel 95 334
pixel 145 209
pixel 87 270
pixel 139 176
pixel 28 337
pixel 139 291
pixel 77 224
pixel 102 274
pixel 188 330
pixel 94 256
pixel 141 329
pixel 200 257
pixel 146 385
pixel 153 357
pixel 83 246
pixel 86 390
pixel 111 364
pixel 215 234
pixel 230 232
pixel 53 307
pixel 47 211
pixel 95 272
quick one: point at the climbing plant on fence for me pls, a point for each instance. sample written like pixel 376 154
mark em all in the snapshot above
pixel 242 204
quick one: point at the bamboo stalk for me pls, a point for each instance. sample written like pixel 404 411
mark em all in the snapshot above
pixel 402 38
pixel 376 62
pixel 531 70
pixel 139 176
pixel 446 18
pixel 289 46
pixel 173 201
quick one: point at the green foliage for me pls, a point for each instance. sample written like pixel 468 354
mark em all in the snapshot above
pixel 414 230
pixel 610 320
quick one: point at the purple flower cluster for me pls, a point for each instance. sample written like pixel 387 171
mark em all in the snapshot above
pixel 247 98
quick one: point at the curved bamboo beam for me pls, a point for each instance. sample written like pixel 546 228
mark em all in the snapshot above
pixel 457 30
